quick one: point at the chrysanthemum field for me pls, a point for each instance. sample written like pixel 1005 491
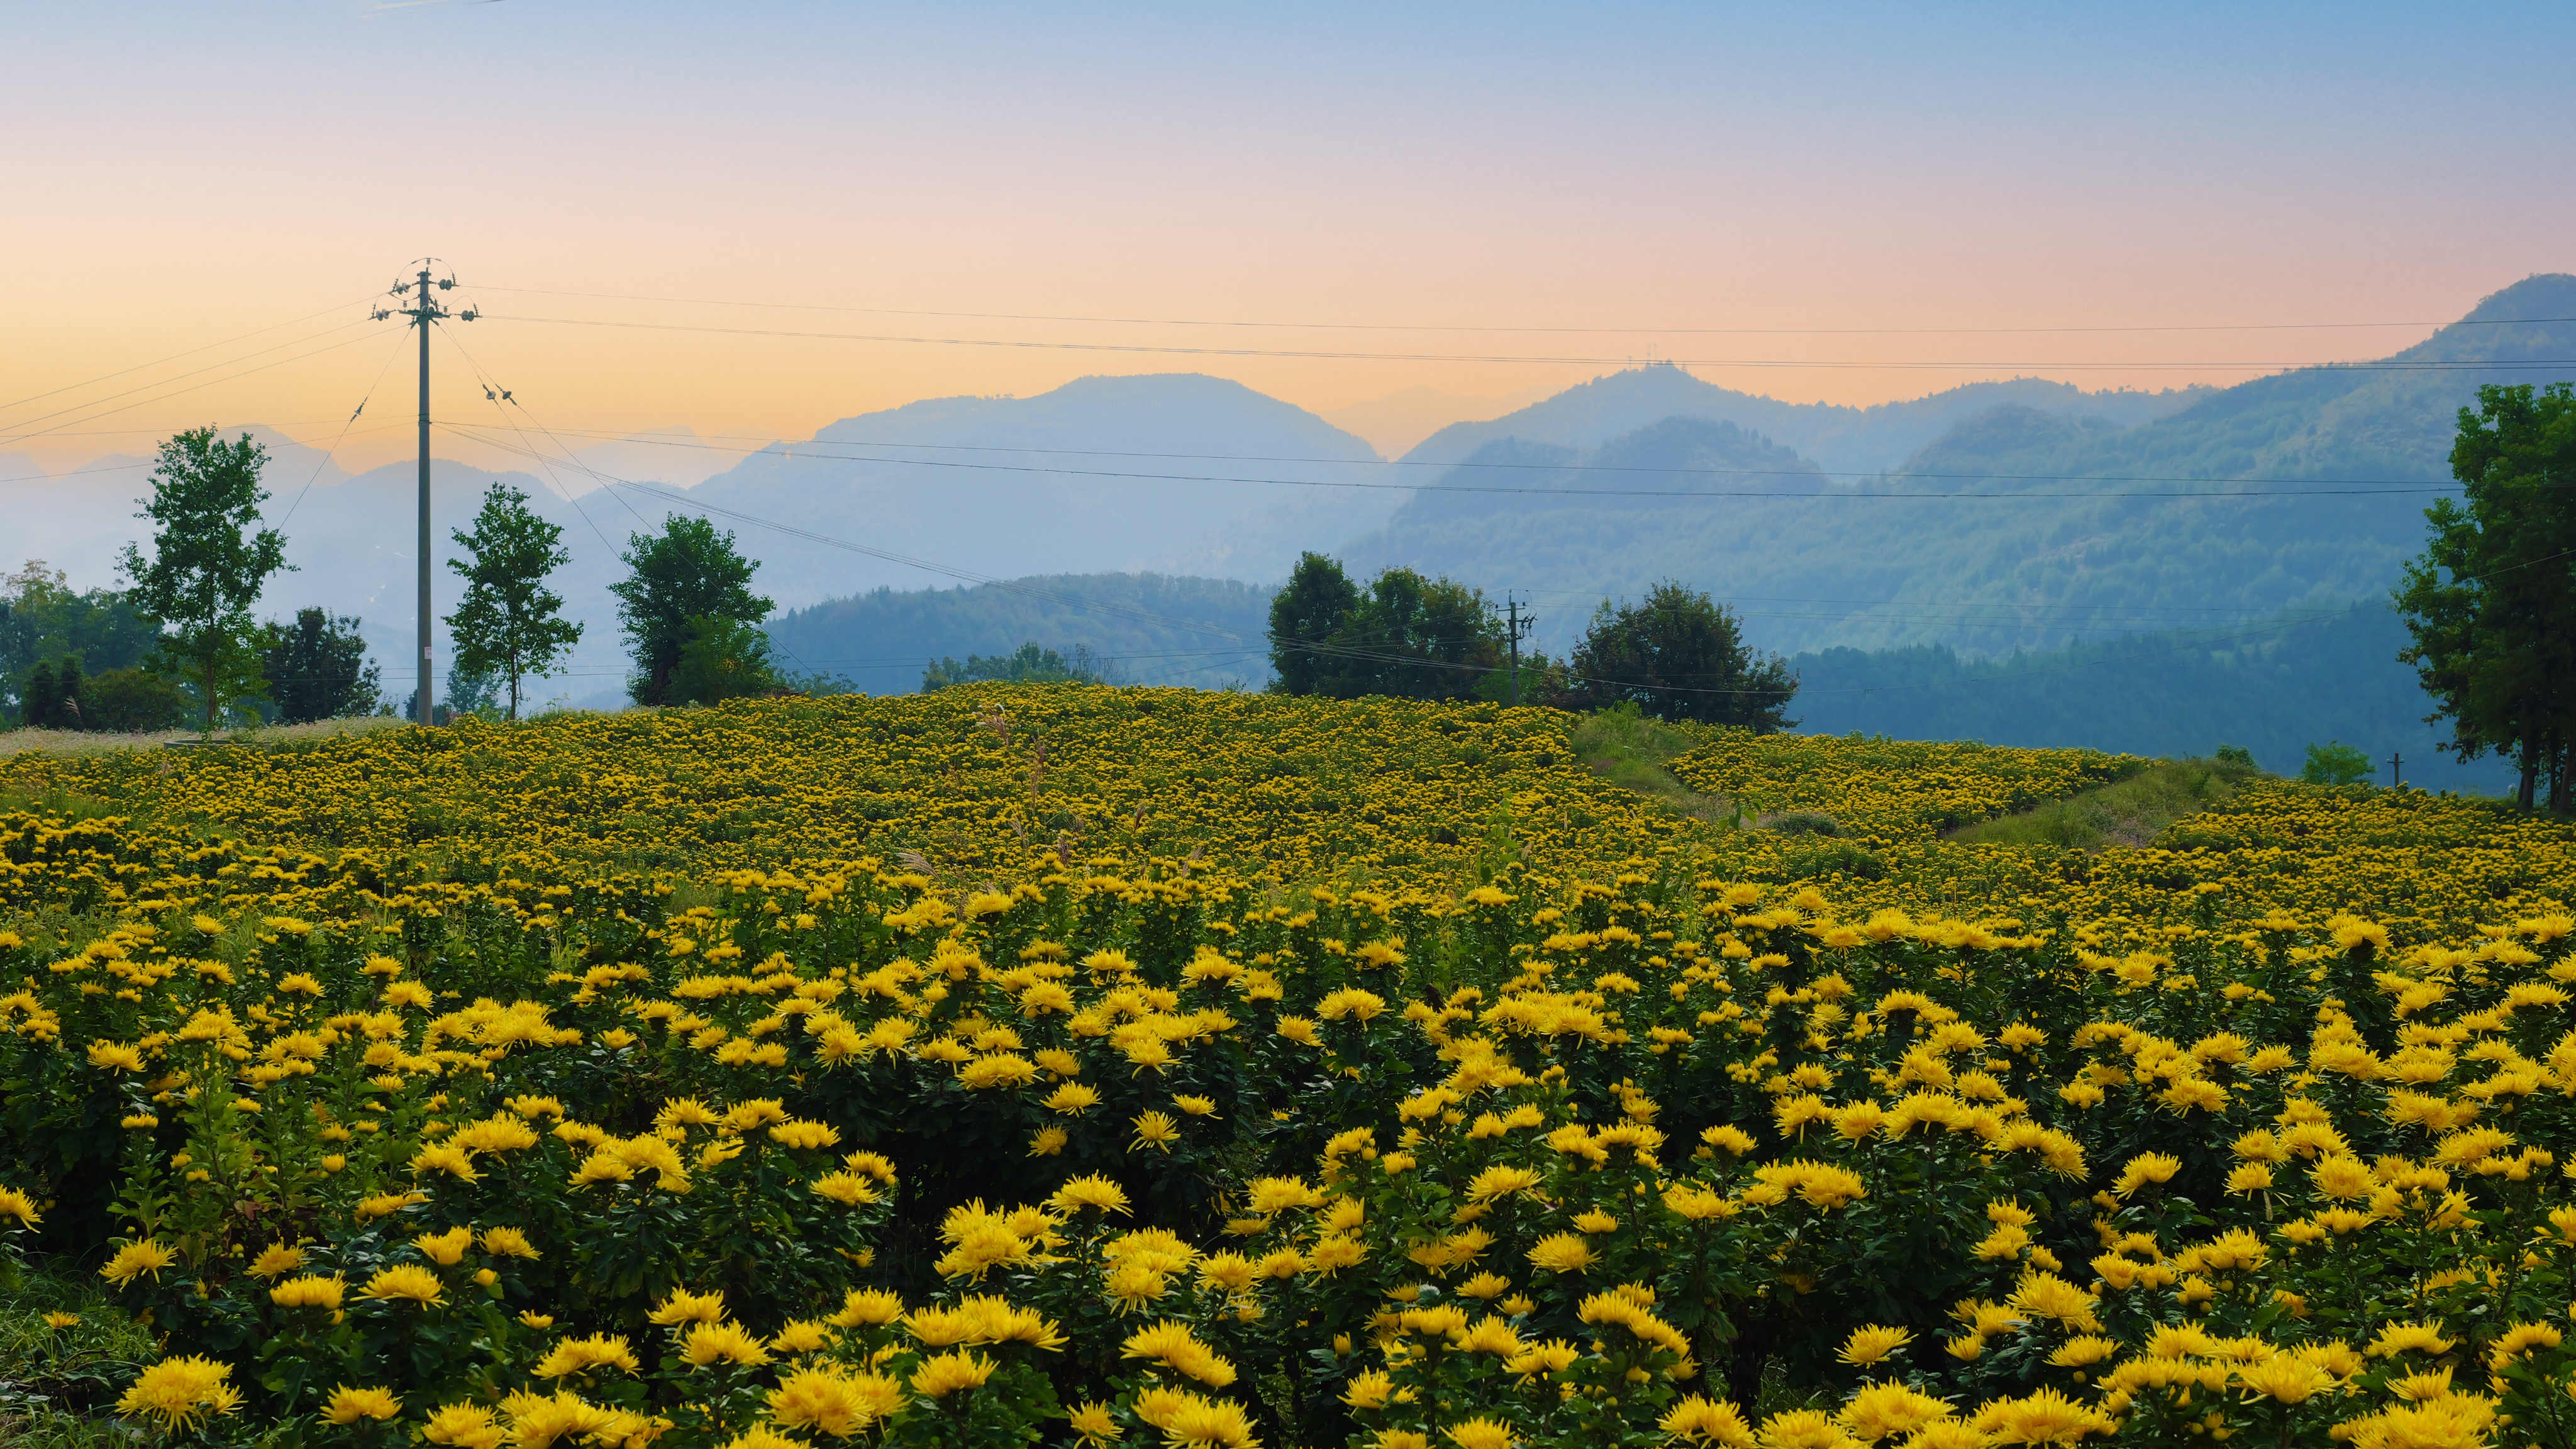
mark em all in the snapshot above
pixel 1142 1067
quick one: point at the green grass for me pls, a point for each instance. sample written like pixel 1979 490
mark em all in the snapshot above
pixel 59 1385
pixel 1631 751
pixel 84 742
pixel 2129 812
pixel 47 1428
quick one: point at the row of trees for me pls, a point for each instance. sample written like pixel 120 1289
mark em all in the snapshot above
pixel 1676 654
pixel 2491 602
pixel 181 637
pixel 85 660
pixel 1031 663
pixel 691 620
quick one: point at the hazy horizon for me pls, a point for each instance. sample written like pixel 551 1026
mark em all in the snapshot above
pixel 1334 207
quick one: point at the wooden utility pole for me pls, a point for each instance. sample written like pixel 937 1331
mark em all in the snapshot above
pixel 1518 624
pixel 424 310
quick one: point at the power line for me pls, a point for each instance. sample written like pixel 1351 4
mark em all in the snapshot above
pixel 192 372
pixel 363 399
pixel 1076 601
pixel 1913 603
pixel 1837 495
pixel 926 565
pixel 493 393
pixel 149 463
pixel 2428 365
pixel 1594 331
pixel 788 451
pixel 505 395
pixel 132 432
pixel 77 472
pixel 175 356
pixel 210 382
pixel 1318 647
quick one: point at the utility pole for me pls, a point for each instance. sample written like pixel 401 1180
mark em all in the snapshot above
pixel 424 310
pixel 1517 626
pixel 2396 770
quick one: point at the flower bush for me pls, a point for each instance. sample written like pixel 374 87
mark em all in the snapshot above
pixel 969 1122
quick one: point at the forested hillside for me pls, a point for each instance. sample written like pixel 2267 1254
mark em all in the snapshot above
pixel 2018 527
pixel 1153 628
pixel 2272 688
pixel 1837 439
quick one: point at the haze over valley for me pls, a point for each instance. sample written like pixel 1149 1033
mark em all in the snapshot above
pixel 2021 515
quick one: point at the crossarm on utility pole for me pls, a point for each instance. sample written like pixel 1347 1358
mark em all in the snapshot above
pixel 423 312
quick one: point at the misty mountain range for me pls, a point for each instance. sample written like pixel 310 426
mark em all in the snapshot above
pixel 1824 524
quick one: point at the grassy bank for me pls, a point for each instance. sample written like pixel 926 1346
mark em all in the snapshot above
pixel 99 742
pixel 2129 812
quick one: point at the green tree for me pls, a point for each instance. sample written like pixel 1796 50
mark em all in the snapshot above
pixel 317 668
pixel 723 658
pixel 2336 763
pixel 1319 599
pixel 508 625
pixel 1418 638
pixel 42 619
pixel 686 573
pixel 2495 641
pixel 38 699
pixel 208 565
pixel 71 696
pixel 134 699
pixel 1028 664
pixel 1679 655
pixel 470 690
pixel 1404 635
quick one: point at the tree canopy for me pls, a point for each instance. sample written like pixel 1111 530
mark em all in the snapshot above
pixel 1679 655
pixel 43 619
pixel 1028 664
pixel 317 668
pixel 722 658
pixel 687 573
pixel 2336 763
pixel 1318 599
pixel 2491 602
pixel 509 625
pixel 1404 635
pixel 208 564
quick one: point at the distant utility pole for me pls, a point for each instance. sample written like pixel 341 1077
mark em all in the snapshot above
pixel 424 310
pixel 2396 770
pixel 1517 626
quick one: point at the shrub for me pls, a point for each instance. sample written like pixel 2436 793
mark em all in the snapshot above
pixel 2336 763
pixel 1802 822
pixel 135 700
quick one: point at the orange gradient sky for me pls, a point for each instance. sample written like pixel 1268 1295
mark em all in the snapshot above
pixel 176 175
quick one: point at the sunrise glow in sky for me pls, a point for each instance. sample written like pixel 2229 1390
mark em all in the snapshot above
pixel 1849 203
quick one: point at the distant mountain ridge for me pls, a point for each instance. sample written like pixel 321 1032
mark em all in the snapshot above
pixel 1837 439
pixel 1066 479
pixel 1835 528
pixel 2018 527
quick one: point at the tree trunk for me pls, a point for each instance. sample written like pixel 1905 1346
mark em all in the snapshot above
pixel 2530 778
pixel 2558 782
